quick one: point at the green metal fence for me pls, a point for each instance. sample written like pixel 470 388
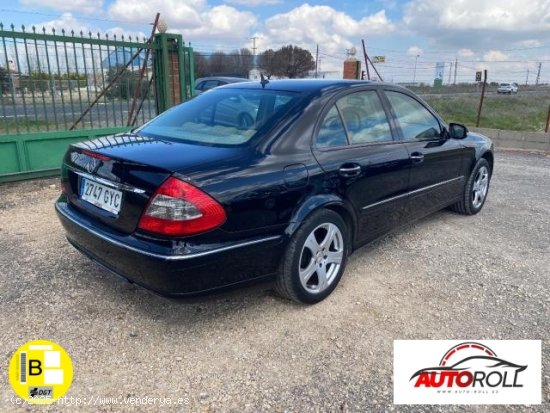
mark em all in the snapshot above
pixel 48 79
pixel 81 84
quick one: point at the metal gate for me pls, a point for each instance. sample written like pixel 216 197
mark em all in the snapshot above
pixel 49 81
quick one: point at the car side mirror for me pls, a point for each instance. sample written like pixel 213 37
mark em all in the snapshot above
pixel 458 131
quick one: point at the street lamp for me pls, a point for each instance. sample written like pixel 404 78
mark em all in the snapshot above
pixel 415 62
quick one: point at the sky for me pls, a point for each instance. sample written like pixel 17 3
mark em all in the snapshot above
pixel 509 38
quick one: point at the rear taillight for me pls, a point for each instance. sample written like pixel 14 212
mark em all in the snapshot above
pixel 178 208
pixel 95 155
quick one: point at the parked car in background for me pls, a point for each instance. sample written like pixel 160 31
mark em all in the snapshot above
pixel 206 83
pixel 193 201
pixel 507 88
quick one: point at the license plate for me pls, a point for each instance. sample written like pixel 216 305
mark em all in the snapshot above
pixel 101 196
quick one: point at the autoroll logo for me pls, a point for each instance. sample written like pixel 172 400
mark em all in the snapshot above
pixel 468 372
pixel 470 365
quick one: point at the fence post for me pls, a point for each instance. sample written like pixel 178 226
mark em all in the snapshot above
pixel 547 121
pixel 172 71
pixel 482 97
pixel 191 65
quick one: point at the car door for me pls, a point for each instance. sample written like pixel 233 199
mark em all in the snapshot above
pixel 436 161
pixel 355 147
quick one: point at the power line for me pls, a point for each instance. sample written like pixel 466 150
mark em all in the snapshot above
pixel 441 51
pixel 81 17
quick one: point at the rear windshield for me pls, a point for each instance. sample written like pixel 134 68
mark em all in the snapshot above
pixel 222 116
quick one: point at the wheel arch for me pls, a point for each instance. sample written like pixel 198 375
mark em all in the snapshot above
pixel 489 157
pixel 327 201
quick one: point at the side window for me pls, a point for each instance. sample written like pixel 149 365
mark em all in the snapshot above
pixel 281 101
pixel 416 122
pixel 365 118
pixel 331 132
pixel 209 84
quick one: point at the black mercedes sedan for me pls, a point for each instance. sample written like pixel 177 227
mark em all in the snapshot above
pixel 278 181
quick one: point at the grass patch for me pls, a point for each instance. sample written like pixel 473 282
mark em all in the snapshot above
pixel 9 126
pixel 516 112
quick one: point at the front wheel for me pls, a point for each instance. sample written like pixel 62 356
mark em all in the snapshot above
pixel 315 258
pixel 475 190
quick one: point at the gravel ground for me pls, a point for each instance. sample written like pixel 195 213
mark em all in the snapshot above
pixel 446 277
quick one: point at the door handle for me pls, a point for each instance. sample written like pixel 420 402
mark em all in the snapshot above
pixel 417 157
pixel 350 170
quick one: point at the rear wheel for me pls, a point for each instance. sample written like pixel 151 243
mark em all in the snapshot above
pixel 315 258
pixel 475 190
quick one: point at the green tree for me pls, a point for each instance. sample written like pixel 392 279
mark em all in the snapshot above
pixel 125 85
pixel 38 82
pixel 289 61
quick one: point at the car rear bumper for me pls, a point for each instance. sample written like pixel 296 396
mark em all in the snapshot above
pixel 174 269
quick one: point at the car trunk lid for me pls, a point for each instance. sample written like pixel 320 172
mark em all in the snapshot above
pixel 112 178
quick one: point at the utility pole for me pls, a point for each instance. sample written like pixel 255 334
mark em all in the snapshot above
pixel 366 58
pixel 367 61
pixel 527 78
pixel 254 48
pixel 482 96
pixel 450 70
pixel 252 71
pixel 415 62
pixel 538 74
pixel 317 61
pixel 456 69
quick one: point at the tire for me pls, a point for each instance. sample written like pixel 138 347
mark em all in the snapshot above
pixel 301 274
pixel 476 189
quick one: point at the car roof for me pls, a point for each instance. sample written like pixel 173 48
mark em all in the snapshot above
pixel 225 78
pixel 302 85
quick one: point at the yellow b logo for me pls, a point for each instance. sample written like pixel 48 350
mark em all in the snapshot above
pixel 40 371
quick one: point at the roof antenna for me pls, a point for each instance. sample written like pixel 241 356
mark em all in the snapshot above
pixel 264 80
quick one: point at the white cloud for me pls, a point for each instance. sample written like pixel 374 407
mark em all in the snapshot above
pixel 176 13
pixel 223 22
pixel 194 18
pixel 529 43
pixel 119 32
pixel 82 6
pixel 494 55
pixel 465 53
pixel 488 14
pixel 414 51
pixel 475 24
pixel 253 3
pixel 68 22
pixel 307 25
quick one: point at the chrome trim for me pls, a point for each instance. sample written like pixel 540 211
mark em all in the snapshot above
pixel 164 256
pixel 393 198
pixel 108 183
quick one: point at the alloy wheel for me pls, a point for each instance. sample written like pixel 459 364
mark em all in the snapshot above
pixel 321 258
pixel 480 187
